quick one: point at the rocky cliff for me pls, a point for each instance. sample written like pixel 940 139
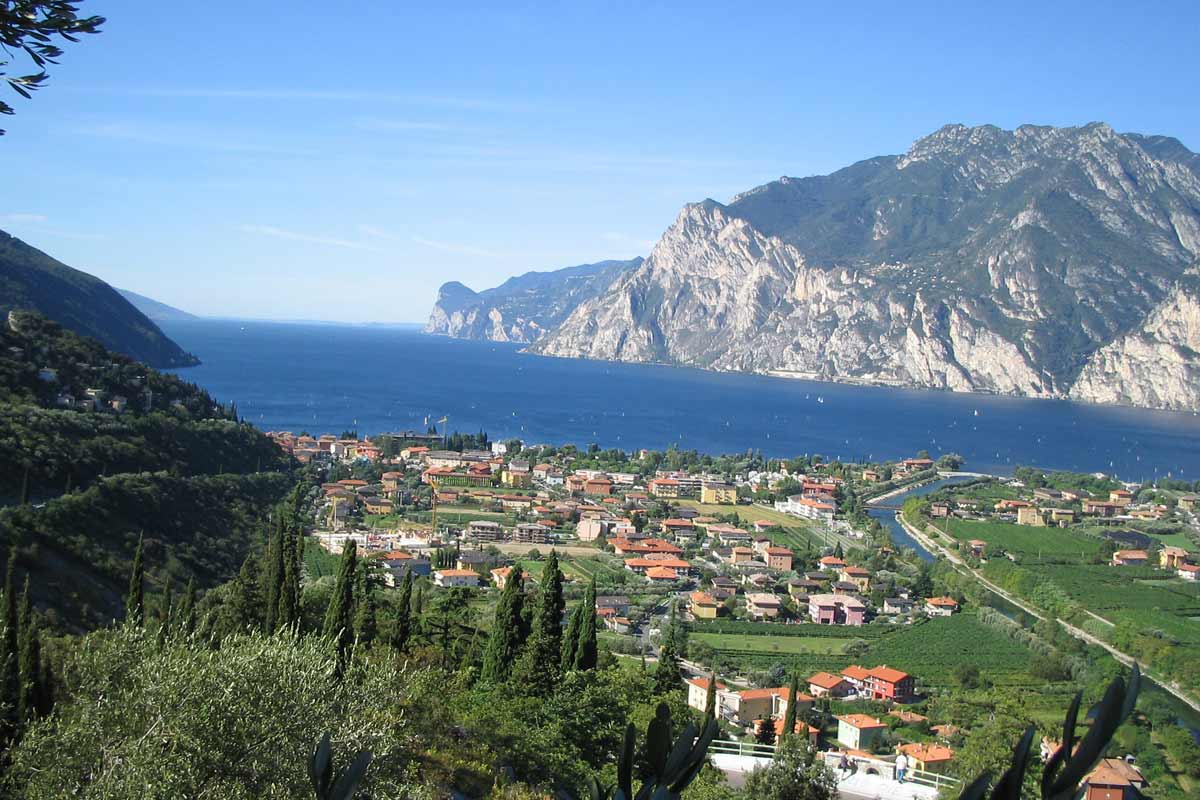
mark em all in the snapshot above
pixel 524 308
pixel 1040 261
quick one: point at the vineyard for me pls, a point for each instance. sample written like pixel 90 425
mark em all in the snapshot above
pixel 1029 542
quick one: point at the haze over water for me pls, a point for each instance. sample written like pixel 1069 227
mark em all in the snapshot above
pixel 329 378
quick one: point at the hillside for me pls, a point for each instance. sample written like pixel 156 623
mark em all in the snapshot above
pixel 159 312
pixel 980 260
pixel 524 308
pixel 33 281
pixel 103 449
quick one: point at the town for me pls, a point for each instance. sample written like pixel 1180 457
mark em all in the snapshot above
pixel 757 571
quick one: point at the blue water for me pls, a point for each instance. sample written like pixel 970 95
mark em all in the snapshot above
pixel 327 378
pixel 887 516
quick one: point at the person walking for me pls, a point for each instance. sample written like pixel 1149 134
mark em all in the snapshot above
pixel 901 767
pixel 844 765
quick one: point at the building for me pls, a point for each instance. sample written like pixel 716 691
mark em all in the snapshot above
pixel 448 578
pixel 763 606
pixel 662 574
pixel 1129 558
pixel 885 683
pixel 484 530
pixel 897 605
pixel 807 507
pixel 858 677
pixel 1114 779
pixel 858 576
pixel 927 757
pixel 751 704
pixel 741 555
pixel 723 494
pixel 831 562
pixel 1189 502
pixel 825 683
pixel 836 609
pixel 941 606
pixel 532 533
pixel 1029 515
pixel 698 692
pixel 1189 572
pixel 397 563
pixel 860 732
pixel 1172 557
pixel 600 486
pixel 666 488
pixel 779 558
pixel 515 479
pixel 704 606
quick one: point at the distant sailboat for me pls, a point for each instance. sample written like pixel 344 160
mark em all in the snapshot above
pixel 820 399
pixel 977 412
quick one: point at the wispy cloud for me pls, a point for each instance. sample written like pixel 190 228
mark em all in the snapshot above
pixel 296 236
pixel 197 137
pixel 454 247
pixel 332 95
pixel 20 218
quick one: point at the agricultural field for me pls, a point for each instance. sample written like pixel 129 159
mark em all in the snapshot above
pixel 1029 542
pixel 798 534
pixel 791 645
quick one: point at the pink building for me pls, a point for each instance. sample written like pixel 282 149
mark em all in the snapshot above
pixel 837 609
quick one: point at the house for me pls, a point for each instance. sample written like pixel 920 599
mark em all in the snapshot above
pixel 676 527
pixel 1114 779
pixel 1030 515
pixel 802 588
pixel 927 757
pixel 910 465
pixel 662 574
pixel 704 606
pixel 939 510
pixel 763 606
pixel 832 562
pixel 751 704
pixel 723 494
pixel 860 732
pixel 858 576
pixel 618 624
pixel 476 560
pixel 885 683
pixel 808 507
pixel 907 717
pixel 456 577
pixel 858 677
pixel 397 563
pixel 515 479
pixel 941 606
pixel 824 683
pixel 978 546
pixel 897 605
pixel 377 505
pixel 1189 502
pixel 1120 496
pixel 642 566
pixel 741 555
pixel 1061 516
pixel 1189 572
pixel 1172 557
pixel 1046 493
pixel 871 476
pixel 500 576
pixel 779 558
pixel 1129 558
pixel 801 729
pixel 698 692
pixel 599 485
pixel 836 609
pixel 1102 508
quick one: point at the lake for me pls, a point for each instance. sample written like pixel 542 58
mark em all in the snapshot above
pixel 329 378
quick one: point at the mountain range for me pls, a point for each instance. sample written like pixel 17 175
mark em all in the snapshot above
pixel 155 310
pixel 1041 261
pixel 30 280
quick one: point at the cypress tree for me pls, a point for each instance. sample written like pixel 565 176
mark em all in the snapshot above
pixel 585 651
pixel 135 600
pixel 403 627
pixel 245 605
pixel 364 615
pixel 29 668
pixel 339 615
pixel 10 680
pixel 165 611
pixel 789 717
pixel 570 639
pixel 710 700
pixel 666 675
pixel 504 642
pixel 187 609
pixel 288 613
pixel 274 577
pixel 544 650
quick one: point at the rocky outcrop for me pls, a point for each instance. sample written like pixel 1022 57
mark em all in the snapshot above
pixel 1157 366
pixel 524 308
pixel 1041 262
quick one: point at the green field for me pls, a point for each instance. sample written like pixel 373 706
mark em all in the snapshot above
pixel 725 642
pixel 798 534
pixel 1025 540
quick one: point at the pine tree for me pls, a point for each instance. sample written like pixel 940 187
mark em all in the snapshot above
pixel 364 616
pixel 187 609
pixel 504 642
pixel 403 627
pixel 570 639
pixel 765 732
pixel 585 652
pixel 838 551
pixel 135 600
pixel 544 650
pixel 666 675
pixel 29 667
pixel 789 717
pixel 10 679
pixel 339 615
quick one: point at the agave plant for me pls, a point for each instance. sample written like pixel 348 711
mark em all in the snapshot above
pixel 1067 767
pixel 331 784
pixel 674 763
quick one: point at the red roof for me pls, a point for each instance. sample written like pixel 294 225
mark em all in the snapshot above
pixel 825 680
pixel 889 675
pixel 661 573
pixel 861 721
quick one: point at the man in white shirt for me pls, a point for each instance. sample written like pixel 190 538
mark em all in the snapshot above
pixel 901 767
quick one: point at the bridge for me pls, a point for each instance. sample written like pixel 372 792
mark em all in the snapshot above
pixel 867 779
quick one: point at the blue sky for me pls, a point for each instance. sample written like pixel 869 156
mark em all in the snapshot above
pixel 296 160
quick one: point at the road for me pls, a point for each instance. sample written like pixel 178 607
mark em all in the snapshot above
pixel 1124 658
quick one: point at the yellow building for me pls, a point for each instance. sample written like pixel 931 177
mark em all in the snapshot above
pixel 1030 515
pixel 704 606
pixel 515 480
pixel 724 494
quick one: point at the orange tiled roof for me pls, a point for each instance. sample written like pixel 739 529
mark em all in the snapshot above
pixel 926 752
pixel 825 680
pixel 862 721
